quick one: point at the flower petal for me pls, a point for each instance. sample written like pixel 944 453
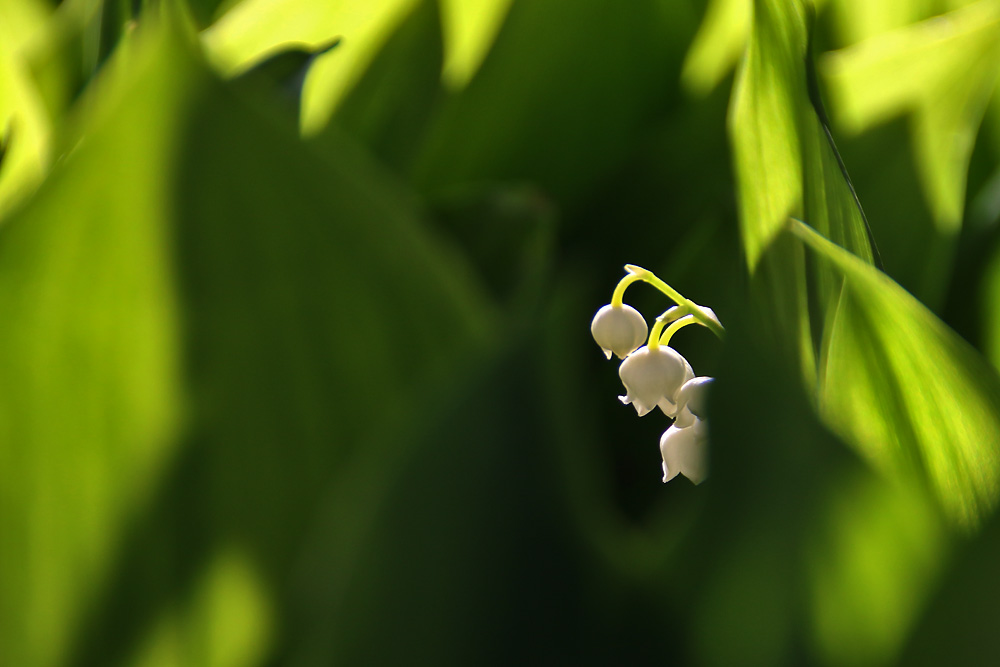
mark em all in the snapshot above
pixel 685 452
pixel 651 375
pixel 693 395
pixel 619 329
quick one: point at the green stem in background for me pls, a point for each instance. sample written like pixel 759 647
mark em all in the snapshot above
pixel 645 275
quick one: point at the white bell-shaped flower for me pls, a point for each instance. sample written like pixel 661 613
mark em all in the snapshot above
pixel 668 404
pixel 691 399
pixel 685 452
pixel 619 329
pixel 652 377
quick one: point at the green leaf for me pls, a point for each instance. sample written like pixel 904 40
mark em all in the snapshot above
pixel 390 107
pixel 25 128
pixel 857 20
pixel 203 319
pixel 942 72
pixel 91 406
pixel 718 45
pixel 551 78
pixel 959 624
pixel 470 26
pixel 256 29
pixel 804 554
pixel 910 395
pixel 785 162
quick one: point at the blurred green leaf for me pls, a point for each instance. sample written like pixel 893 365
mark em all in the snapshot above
pixel 256 29
pixel 804 555
pixel 784 159
pixel 913 249
pixel 857 20
pixel 942 71
pixel 959 625
pixel 987 302
pixel 25 128
pixel 314 305
pixel 389 108
pixel 470 26
pixel 909 394
pixel 576 83
pixel 721 40
pixel 91 403
pixel 785 162
pixel 281 76
pixel 226 620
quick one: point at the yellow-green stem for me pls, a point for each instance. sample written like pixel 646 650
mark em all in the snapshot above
pixel 676 326
pixel 639 273
pixel 654 333
pixel 619 294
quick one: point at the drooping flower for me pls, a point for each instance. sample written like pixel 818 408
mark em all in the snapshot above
pixel 652 376
pixel 685 451
pixel 669 405
pixel 691 399
pixel 619 329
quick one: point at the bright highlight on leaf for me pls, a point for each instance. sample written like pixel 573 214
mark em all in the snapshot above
pixel 255 29
pixel 784 160
pixel 25 128
pixel 942 71
pixel 906 391
pixel 469 27
pixel 717 47
pixel 228 611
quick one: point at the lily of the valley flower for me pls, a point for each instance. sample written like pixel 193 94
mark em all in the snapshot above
pixel 652 376
pixel 691 400
pixel 619 329
pixel 655 375
pixel 670 406
pixel 684 452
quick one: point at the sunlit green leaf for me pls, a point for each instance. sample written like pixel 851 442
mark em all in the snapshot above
pixel 25 128
pixel 91 402
pixel 942 71
pixel 227 619
pixel 255 29
pixel 812 557
pixel 389 108
pixel 717 47
pixel 197 334
pixel 470 26
pixel 785 163
pixel 906 391
pixel 858 20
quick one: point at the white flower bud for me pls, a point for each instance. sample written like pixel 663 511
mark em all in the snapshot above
pixel 711 314
pixel 619 329
pixel 685 452
pixel 652 377
pixel 691 399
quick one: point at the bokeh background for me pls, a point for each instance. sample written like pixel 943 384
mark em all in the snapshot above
pixel 295 362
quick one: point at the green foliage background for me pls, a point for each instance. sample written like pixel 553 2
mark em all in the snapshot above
pixel 295 365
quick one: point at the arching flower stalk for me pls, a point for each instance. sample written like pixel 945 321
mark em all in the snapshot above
pixel 656 375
